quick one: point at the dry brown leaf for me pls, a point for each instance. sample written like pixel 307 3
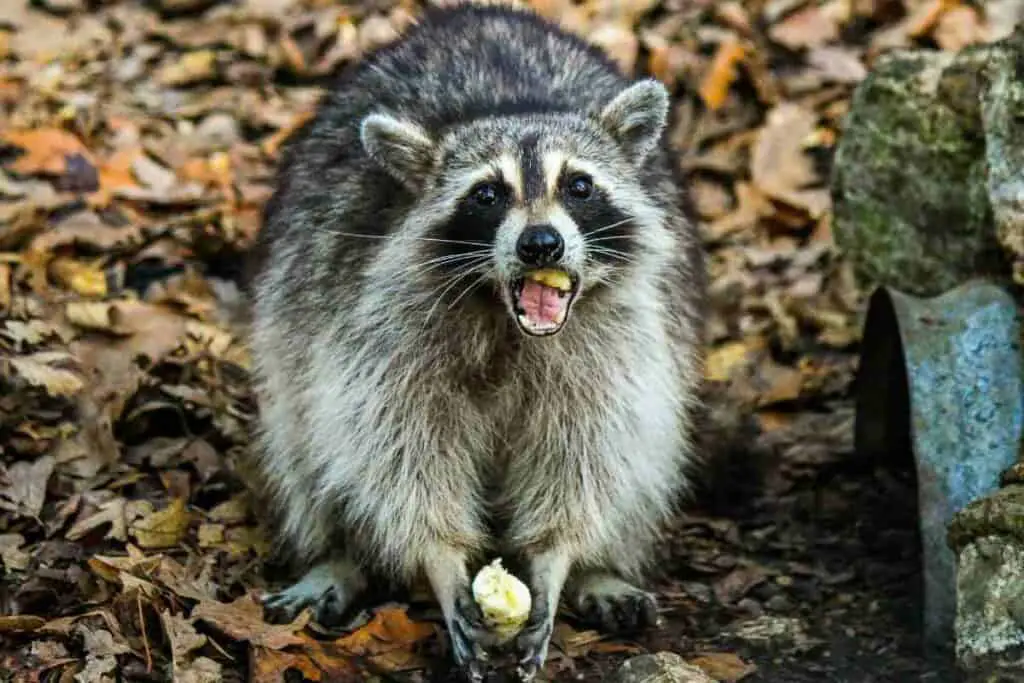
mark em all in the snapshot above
pixel 101 642
pixel 779 166
pixel 82 278
pixel 812 26
pixel 233 511
pixel 164 528
pixel 191 67
pixel 46 150
pixel 39 370
pixel 117 513
pixel 387 640
pixel 243 620
pixel 20 623
pixel 5 288
pixel 619 41
pixel 23 489
pixel 11 553
pixel 183 638
pixel 723 666
pixel 839 64
pixel 924 16
pixel 269 666
pixel 958 28
pixel 722 360
pixel 714 88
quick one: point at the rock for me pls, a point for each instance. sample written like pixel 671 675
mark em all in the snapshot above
pixel 663 667
pixel 988 538
pixel 923 184
pixel 990 602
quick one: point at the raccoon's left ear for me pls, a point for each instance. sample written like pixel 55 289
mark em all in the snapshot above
pixel 637 116
pixel 402 147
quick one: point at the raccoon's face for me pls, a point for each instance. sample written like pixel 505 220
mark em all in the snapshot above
pixel 541 207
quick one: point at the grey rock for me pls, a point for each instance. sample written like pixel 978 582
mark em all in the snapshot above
pixel 662 667
pixel 923 172
pixel 990 599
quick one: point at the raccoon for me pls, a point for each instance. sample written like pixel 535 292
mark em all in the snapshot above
pixel 476 326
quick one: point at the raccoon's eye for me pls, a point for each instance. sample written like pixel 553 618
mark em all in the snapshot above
pixel 580 187
pixel 486 194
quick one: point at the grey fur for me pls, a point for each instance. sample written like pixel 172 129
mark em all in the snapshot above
pixel 407 427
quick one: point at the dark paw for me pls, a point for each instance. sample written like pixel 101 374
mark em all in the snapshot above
pixel 626 612
pixel 284 606
pixel 469 637
pixel 532 646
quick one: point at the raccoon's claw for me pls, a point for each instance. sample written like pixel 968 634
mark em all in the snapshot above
pixel 318 589
pixel 469 638
pixel 624 612
pixel 532 646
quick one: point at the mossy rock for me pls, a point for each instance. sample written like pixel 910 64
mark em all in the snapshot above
pixel 909 185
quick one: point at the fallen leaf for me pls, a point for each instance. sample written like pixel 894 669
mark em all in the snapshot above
pixel 723 666
pixel 24 491
pixel 779 166
pixel 38 370
pixel 387 639
pixel 11 553
pixel 100 642
pixel 164 528
pixel 98 670
pixel 958 28
pixel 243 620
pixel 269 666
pixel 190 68
pixel 184 639
pixel 812 26
pixel 619 42
pixel 714 87
pixel 83 278
pixel 22 623
pixel 47 150
pixel 114 512
pixel 737 583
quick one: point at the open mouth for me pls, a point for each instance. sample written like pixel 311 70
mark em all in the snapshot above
pixel 541 300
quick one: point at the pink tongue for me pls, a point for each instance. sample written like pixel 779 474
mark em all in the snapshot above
pixel 541 303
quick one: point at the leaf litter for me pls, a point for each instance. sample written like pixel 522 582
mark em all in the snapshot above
pixel 137 145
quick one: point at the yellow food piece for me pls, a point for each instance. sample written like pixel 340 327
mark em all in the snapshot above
pixel 503 599
pixel 558 279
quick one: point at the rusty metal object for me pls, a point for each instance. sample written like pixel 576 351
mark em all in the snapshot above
pixel 940 379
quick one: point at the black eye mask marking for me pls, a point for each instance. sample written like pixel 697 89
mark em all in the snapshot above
pixel 604 226
pixel 477 218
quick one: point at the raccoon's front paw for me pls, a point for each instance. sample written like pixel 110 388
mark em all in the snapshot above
pixel 326 588
pixel 532 644
pixel 469 637
pixel 614 606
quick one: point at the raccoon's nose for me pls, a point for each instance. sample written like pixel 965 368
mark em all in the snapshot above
pixel 540 245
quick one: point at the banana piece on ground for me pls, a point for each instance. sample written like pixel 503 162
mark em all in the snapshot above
pixel 503 599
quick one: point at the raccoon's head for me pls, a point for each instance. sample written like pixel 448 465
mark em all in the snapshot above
pixel 533 210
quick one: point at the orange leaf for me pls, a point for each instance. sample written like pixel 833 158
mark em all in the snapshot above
pixel 46 150
pixel 387 639
pixel 720 76
pixel 269 666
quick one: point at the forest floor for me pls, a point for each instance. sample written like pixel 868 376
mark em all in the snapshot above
pixel 138 141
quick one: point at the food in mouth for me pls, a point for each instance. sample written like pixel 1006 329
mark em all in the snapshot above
pixel 541 300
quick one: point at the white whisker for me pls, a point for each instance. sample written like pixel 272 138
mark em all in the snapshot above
pixel 402 236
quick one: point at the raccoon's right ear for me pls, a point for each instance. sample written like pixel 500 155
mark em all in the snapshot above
pixel 402 147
